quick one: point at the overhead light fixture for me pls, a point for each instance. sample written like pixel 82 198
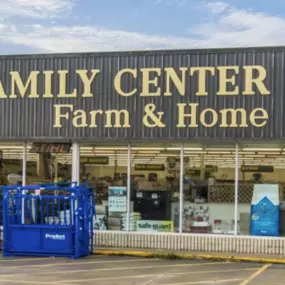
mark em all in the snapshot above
pixel 111 148
pixel 147 148
pixel 148 152
pixel 219 152
pixel 11 147
pixel 220 149
pixel 261 149
pixel 185 148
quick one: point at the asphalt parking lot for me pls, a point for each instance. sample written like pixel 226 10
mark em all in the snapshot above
pixel 104 270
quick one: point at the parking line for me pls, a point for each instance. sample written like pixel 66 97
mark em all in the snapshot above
pixel 77 263
pixel 24 282
pixel 3 261
pixel 204 282
pixel 255 274
pixel 118 268
pixel 115 269
pixel 151 275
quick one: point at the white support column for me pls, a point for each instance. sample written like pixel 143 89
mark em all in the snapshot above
pixel 236 189
pixel 75 177
pixel 55 168
pixel 181 197
pixel 24 165
pixel 24 179
pixel 129 187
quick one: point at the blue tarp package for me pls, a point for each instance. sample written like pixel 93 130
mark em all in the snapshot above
pixel 48 220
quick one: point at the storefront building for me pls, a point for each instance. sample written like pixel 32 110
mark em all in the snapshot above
pixel 185 149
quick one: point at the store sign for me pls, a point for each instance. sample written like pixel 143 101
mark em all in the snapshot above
pixel 164 98
pixel 99 160
pixel 197 172
pixel 193 172
pixel 150 167
pixel 117 199
pixel 211 168
pixel 50 148
pixel 257 168
pixel 155 226
pixel 177 159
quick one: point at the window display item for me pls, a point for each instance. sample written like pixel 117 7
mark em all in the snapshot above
pixel 117 199
pixel 218 227
pixel 265 210
pixel 114 221
pixel 134 217
pixel 100 223
pixel 200 223
pixel 187 220
pixel 231 231
pixel 155 226
pixel 100 219
pixel 282 219
pixel 14 179
pixel 152 177
pixel 153 205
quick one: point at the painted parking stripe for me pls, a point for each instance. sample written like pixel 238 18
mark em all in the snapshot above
pixel 120 268
pixel 78 263
pixel 153 275
pixel 204 282
pixel 182 283
pixel 3 261
pixel 255 274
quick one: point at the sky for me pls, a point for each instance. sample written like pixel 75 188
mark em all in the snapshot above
pixel 55 26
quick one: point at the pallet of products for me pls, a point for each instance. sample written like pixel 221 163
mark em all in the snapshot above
pixel 134 217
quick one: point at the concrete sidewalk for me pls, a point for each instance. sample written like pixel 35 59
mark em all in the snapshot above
pixel 223 256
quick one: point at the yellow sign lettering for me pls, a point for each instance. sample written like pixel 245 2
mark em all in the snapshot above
pixel 179 83
pixel 230 118
pixel 225 80
pixel 192 115
pixel 118 82
pixel 147 82
pixel 59 115
pixel 2 92
pixel 63 85
pixel 80 119
pixel 202 78
pixel 31 82
pixel 93 118
pixel 213 116
pixel 48 83
pixel 117 115
pixel 260 115
pixel 87 81
pixel 258 81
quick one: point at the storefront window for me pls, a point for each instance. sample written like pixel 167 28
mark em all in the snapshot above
pixel 156 171
pixel 154 186
pixel 11 156
pixel 209 190
pixel 46 164
pixel 105 168
pixel 261 190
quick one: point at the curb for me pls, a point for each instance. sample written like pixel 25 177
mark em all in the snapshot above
pixel 175 255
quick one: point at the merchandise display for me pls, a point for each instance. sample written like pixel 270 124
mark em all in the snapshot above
pixel 208 192
pixel 265 207
pixel 134 218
